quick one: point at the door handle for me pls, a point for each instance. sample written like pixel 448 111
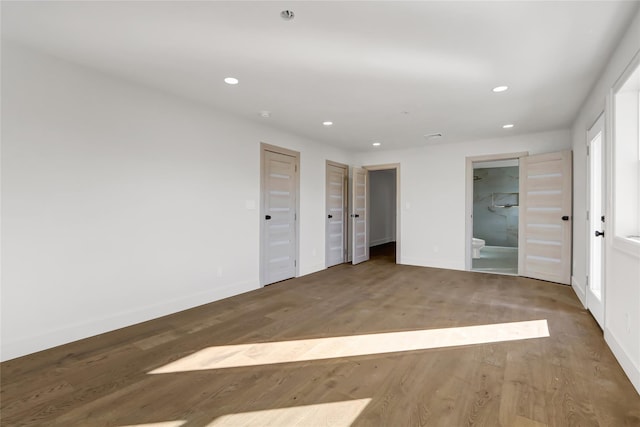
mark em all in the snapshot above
pixel 355 216
pixel 599 233
pixel 329 216
pixel 565 218
pixel 267 217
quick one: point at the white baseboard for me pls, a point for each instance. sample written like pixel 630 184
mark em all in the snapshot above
pixel 413 261
pixel 579 290
pixel 88 328
pixel 381 241
pixel 437 263
pixel 628 366
pixel 313 269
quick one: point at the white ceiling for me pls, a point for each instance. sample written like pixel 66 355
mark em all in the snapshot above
pixel 359 64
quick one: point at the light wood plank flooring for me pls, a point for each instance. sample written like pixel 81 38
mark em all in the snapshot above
pixel 567 379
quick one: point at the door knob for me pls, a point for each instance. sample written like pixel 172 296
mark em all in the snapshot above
pixel 565 218
pixel 599 233
pixel 267 217
pixel 355 216
pixel 329 216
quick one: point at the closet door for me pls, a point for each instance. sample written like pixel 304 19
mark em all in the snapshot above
pixel 279 247
pixel 336 214
pixel 359 217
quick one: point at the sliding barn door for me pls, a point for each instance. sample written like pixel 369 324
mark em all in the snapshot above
pixel 359 217
pixel 545 217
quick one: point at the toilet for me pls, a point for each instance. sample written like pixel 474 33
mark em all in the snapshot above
pixel 477 244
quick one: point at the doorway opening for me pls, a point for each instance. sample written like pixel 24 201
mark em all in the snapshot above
pixel 384 212
pixel 495 216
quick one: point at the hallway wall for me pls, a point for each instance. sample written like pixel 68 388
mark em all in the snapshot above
pixel 382 216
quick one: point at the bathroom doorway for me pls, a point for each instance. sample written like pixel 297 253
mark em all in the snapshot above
pixel 495 216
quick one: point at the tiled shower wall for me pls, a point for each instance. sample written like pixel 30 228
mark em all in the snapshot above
pixel 494 188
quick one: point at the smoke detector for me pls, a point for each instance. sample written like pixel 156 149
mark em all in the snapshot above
pixel 287 15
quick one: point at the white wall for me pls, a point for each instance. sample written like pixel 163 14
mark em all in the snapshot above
pixel 382 205
pixel 432 192
pixel 622 293
pixel 121 203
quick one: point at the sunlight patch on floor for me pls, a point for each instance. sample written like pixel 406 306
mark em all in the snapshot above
pixel 160 424
pixel 334 414
pixel 232 356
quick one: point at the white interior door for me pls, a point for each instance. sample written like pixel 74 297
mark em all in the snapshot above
pixel 279 229
pixel 596 221
pixel 359 217
pixel 336 206
pixel 544 250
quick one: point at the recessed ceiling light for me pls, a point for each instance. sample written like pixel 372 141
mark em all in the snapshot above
pixel 507 126
pixel 266 114
pixel 376 144
pixel 231 81
pixel 327 123
pixel 500 88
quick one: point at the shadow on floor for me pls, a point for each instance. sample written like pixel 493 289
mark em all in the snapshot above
pixel 383 253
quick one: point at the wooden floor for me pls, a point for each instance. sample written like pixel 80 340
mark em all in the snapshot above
pixel 567 379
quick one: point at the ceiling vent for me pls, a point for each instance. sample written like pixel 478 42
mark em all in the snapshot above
pixel 287 15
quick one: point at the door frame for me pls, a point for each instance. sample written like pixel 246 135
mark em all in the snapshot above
pixel 396 167
pixel 469 196
pixel 264 147
pixel 601 123
pixel 345 213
